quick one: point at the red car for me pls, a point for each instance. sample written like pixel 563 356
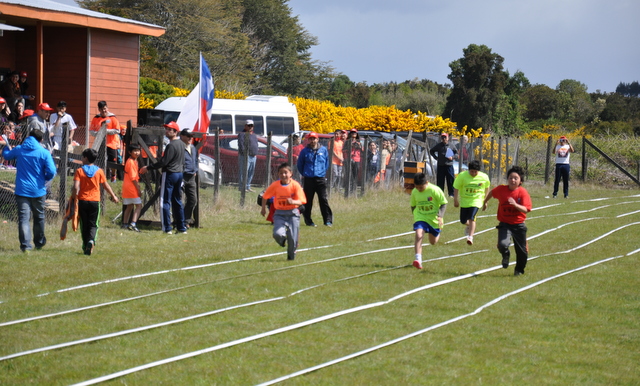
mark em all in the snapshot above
pixel 229 158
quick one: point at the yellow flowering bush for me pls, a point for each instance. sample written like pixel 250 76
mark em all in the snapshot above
pixel 145 103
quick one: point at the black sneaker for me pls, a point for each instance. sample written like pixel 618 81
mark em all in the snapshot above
pixel 505 262
pixel 291 257
pixel 133 228
pixel 311 224
pixel 88 249
pixel 517 273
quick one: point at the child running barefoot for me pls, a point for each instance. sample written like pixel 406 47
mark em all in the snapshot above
pixel 428 204
pixel 288 196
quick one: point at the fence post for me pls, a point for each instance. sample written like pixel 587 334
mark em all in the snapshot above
pixel 63 168
pixel 498 171
pixel 506 152
pixel 245 167
pixel 584 160
pixel 269 154
pixel 217 181
pixel 491 159
pixel 330 171
pixel 346 167
pixel 547 162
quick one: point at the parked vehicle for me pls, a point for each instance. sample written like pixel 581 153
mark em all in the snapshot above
pixel 229 158
pixel 270 114
pixel 207 171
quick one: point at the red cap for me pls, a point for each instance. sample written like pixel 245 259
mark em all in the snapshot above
pixel 27 113
pixel 2 100
pixel 444 135
pixel 563 137
pixel 44 106
pixel 312 135
pixel 172 125
pixel 353 130
pixel 23 74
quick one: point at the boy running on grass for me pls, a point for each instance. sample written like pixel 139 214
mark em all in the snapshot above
pixel 288 196
pixel 469 191
pixel 428 204
pixel 86 188
pixel 131 196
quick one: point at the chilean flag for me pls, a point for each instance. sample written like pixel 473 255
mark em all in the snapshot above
pixel 196 113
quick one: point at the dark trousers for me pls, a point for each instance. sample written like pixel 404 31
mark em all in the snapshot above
pixel 445 172
pixel 311 186
pixel 89 214
pixel 562 171
pixel 517 232
pixel 172 202
pixel 190 196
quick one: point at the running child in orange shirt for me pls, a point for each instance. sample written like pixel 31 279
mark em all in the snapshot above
pixel 288 196
pixel 86 188
pixel 131 196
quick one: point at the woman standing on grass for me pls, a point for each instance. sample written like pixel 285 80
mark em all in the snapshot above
pixel 514 204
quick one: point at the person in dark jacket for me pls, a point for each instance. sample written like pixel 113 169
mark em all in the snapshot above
pixel 313 163
pixel 35 168
pixel 252 150
pixel 191 164
pixel 444 155
pixel 172 165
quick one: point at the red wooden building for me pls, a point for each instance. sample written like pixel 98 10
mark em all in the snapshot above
pixel 74 55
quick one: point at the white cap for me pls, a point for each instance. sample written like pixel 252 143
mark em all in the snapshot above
pixel 249 122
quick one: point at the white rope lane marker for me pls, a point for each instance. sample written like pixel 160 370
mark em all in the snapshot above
pixel 436 326
pixel 319 319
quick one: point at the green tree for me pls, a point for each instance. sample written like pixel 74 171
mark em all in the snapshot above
pixel 508 118
pixel 478 84
pixel 541 103
pixel 575 102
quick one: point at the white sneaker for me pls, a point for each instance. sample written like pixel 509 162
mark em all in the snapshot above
pixel 168 233
pixel 470 240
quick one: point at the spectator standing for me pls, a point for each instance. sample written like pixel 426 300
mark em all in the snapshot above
pixel 444 156
pixel 131 192
pixel 514 203
pixel 469 190
pixel 40 121
pixel 337 159
pixel 373 163
pixel 35 168
pixel 57 122
pixel 191 165
pixel 252 150
pixel 385 157
pixel 172 165
pixel 287 195
pixel 110 122
pixel 313 163
pixel 428 205
pixel 356 156
pixel 562 151
pixel 24 86
pixel 86 189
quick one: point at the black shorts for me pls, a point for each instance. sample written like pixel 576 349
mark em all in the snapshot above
pixel 467 214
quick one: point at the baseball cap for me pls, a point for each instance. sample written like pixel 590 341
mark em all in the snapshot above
pixel 312 135
pixel 563 137
pixel 44 106
pixel 186 133
pixel 353 130
pixel 23 74
pixel 249 122
pixel 27 113
pixel 173 125
pixel 2 100
pixel 444 135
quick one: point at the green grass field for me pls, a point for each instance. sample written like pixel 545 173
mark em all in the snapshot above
pixel 580 328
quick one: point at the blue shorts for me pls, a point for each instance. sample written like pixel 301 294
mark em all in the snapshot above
pixel 427 228
pixel 467 214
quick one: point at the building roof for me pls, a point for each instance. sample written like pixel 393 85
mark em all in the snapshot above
pixel 51 13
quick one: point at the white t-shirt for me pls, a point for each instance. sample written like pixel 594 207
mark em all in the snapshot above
pixel 57 131
pixel 562 154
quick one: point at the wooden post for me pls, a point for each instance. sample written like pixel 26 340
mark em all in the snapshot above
pixel 491 159
pixel 269 152
pixel 584 160
pixel 498 170
pixel 547 163
pixel 346 168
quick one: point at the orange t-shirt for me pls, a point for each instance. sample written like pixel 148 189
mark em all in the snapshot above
pixel 337 150
pixel 130 174
pixel 89 187
pixel 113 140
pixel 282 192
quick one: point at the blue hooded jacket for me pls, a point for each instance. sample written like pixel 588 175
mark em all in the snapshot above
pixel 34 167
pixel 313 162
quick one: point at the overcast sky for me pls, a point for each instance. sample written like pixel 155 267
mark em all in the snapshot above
pixel 596 42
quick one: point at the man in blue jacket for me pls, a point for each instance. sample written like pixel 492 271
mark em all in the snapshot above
pixel 35 167
pixel 313 163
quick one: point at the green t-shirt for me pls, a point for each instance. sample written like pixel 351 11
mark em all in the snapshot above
pixel 427 204
pixel 471 190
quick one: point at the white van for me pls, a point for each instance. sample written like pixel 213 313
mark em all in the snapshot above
pixel 273 114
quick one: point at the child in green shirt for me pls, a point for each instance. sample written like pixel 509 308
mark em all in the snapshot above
pixel 428 204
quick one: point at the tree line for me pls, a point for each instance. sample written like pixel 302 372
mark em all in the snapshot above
pixel 259 47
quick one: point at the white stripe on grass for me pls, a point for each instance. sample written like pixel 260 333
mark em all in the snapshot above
pixel 341 313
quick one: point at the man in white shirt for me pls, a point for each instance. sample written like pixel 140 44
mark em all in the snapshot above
pixel 58 120
pixel 562 151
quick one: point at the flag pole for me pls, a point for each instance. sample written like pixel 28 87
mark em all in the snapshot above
pixel 199 93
